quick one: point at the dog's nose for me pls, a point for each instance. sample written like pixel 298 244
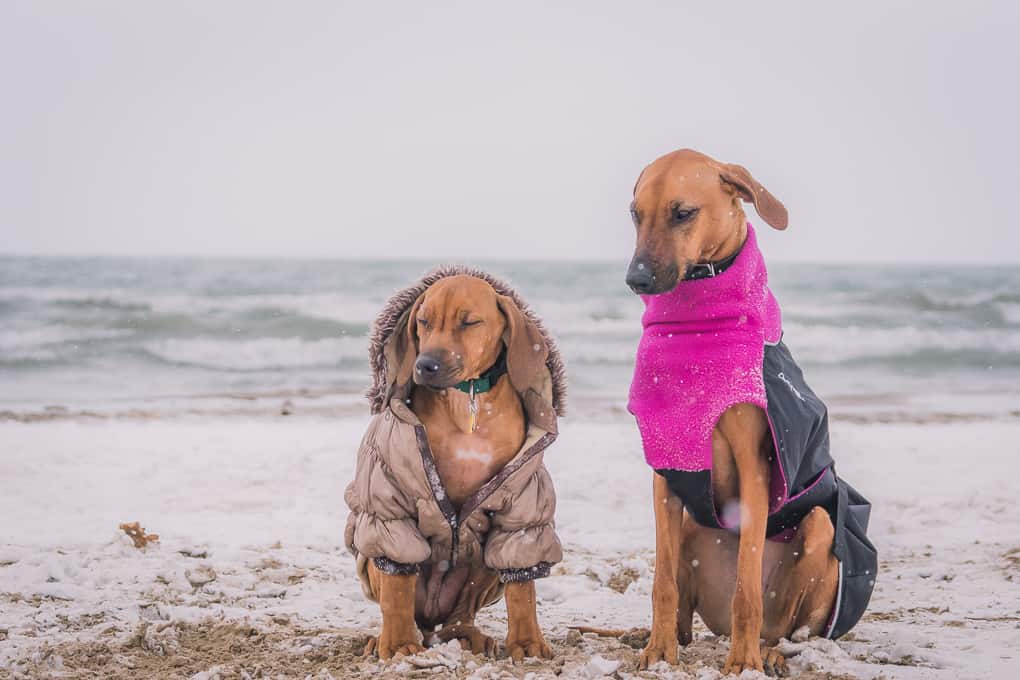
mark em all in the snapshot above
pixel 639 277
pixel 427 365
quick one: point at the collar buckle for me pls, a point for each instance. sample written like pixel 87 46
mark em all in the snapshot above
pixel 702 270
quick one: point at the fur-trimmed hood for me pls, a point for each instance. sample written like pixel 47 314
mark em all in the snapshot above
pixel 394 316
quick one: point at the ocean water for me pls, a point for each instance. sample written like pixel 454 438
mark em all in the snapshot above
pixel 121 333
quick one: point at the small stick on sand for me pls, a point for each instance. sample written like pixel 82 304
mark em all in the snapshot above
pixel 138 535
pixel 601 632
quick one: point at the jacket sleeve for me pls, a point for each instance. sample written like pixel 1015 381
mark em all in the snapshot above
pixel 382 524
pixel 522 543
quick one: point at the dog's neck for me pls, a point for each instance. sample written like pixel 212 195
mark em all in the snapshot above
pixel 454 406
pixel 736 234
pixel 467 457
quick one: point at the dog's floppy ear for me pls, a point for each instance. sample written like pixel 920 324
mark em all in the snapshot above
pixel 768 206
pixel 526 350
pixel 402 350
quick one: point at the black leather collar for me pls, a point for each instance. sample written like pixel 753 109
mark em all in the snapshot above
pixel 708 270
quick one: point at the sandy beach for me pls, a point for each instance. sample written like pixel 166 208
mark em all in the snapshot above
pixel 207 207
pixel 249 577
pixel 219 404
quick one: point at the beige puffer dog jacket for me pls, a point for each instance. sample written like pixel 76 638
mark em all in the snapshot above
pixel 400 514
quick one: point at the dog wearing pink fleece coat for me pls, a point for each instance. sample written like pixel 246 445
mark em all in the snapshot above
pixel 737 440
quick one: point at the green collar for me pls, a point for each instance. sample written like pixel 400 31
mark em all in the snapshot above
pixel 487 380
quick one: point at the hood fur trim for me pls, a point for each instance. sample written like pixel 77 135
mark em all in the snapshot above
pixel 384 325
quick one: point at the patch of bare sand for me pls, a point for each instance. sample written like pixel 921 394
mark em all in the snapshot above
pixel 214 650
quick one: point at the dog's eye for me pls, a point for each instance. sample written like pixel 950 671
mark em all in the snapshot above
pixel 424 323
pixel 465 323
pixel 681 215
pixel 634 216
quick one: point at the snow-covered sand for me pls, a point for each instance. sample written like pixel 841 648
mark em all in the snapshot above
pixel 258 503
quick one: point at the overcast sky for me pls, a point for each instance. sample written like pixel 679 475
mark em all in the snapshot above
pixel 449 131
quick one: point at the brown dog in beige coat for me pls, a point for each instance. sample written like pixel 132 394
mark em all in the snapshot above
pixel 451 506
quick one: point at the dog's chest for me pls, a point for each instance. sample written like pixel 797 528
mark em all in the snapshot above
pixel 467 461
pixel 467 458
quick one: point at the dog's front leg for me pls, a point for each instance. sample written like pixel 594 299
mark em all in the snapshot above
pixel 662 644
pixel 523 636
pixel 746 616
pixel 399 633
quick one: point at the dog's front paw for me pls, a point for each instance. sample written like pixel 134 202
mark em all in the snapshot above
pixel 743 659
pixel 387 647
pixel 517 649
pixel 659 650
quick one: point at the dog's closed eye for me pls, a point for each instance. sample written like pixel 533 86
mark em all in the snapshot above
pixel 679 214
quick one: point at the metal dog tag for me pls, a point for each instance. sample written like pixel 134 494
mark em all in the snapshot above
pixel 472 408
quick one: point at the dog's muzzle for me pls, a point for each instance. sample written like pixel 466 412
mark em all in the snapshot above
pixel 644 277
pixel 431 371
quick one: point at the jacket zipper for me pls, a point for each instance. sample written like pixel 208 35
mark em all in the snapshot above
pixel 476 499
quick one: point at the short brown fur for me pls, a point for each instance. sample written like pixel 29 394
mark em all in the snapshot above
pixel 465 324
pixel 740 585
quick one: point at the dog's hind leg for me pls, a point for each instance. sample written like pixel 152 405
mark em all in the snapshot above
pixel 470 636
pixel 774 662
pixel 804 591
pixel 481 588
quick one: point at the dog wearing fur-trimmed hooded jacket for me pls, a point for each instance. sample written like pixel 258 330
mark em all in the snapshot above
pixel 456 550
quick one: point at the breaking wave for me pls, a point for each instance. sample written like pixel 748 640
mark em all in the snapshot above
pixel 258 354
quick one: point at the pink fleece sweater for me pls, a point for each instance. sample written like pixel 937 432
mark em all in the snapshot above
pixel 701 352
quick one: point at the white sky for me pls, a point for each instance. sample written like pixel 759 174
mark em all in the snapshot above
pixel 445 130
